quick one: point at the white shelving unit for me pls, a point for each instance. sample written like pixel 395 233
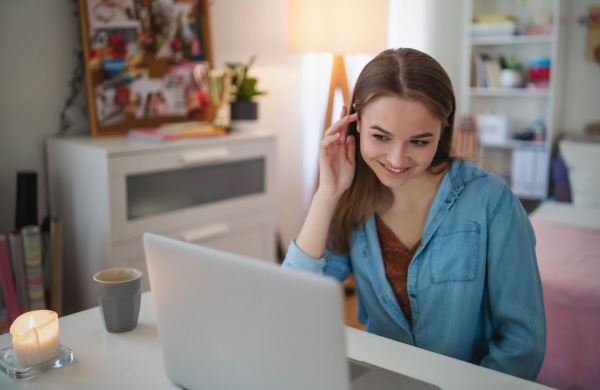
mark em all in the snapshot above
pixel 524 164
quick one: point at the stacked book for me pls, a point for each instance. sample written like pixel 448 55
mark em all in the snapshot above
pixel 176 131
pixel 22 271
pixel 32 254
pixel 486 25
pixel 486 71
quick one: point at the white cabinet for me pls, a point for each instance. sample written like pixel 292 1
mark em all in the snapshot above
pixel 523 164
pixel 216 191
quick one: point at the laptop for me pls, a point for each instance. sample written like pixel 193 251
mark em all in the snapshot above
pixel 227 321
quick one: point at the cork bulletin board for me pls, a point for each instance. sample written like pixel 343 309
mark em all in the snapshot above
pixel 142 62
pixel 593 41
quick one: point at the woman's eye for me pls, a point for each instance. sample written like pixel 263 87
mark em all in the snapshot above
pixel 419 142
pixel 380 137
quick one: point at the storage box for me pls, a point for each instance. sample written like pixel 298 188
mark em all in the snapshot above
pixel 493 128
pixel 539 29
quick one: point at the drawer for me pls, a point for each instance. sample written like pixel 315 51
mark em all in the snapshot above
pixel 168 189
pixel 125 164
pixel 244 234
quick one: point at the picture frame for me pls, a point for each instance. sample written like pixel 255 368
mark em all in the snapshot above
pixel 146 63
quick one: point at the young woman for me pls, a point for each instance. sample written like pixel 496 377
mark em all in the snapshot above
pixel 442 251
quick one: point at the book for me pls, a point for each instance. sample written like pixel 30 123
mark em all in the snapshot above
pixel 492 68
pixel 16 252
pixel 176 131
pixel 540 174
pixel 32 248
pixel 8 286
pixel 465 135
pixel 481 70
pixel 4 324
pixel 56 248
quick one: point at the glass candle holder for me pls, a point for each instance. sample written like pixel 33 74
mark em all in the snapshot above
pixel 35 346
pixel 35 337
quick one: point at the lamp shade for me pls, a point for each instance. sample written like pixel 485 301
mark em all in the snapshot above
pixel 338 26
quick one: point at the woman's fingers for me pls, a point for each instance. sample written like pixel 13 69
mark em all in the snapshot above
pixel 341 124
pixel 329 139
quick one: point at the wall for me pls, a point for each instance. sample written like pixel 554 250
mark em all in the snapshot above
pixel 38 38
pixel 37 42
pixel 240 30
pixel 581 80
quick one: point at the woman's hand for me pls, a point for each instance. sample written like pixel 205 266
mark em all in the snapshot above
pixel 336 171
pixel 336 157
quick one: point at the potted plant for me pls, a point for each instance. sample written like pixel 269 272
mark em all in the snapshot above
pixel 512 73
pixel 243 107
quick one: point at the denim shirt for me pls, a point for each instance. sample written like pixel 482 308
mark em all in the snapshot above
pixel 473 283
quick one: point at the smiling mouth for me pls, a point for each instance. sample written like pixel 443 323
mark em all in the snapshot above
pixel 395 170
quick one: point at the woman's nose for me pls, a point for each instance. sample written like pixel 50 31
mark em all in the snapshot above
pixel 396 156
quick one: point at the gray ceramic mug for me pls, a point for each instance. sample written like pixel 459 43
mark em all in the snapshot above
pixel 119 292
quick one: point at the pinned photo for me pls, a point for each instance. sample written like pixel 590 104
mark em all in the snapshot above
pixel 110 13
pixel 189 84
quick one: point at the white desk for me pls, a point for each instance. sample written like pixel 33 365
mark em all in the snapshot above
pixel 133 360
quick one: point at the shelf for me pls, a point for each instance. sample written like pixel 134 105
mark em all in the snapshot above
pixel 511 40
pixel 516 144
pixel 524 164
pixel 512 92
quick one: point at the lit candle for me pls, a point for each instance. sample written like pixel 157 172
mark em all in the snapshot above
pixel 35 337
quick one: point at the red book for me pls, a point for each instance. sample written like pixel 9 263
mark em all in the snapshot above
pixel 8 285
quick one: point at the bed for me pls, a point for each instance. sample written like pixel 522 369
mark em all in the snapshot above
pixel 568 252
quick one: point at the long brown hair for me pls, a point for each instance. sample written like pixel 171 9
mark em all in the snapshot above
pixel 406 73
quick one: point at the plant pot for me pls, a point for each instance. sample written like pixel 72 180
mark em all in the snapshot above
pixel 510 78
pixel 244 115
pixel 244 110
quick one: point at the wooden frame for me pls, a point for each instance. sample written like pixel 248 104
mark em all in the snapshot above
pixel 143 60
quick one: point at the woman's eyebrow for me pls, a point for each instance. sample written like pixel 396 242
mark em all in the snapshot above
pixel 375 127
pixel 424 135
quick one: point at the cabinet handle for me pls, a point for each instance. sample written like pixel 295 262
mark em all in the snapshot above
pixel 205 232
pixel 205 156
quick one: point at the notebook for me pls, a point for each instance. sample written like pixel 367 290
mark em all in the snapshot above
pixel 227 321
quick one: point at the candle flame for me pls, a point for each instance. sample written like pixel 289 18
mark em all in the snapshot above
pixel 31 322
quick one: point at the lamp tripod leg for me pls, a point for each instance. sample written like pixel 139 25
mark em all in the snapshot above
pixel 338 80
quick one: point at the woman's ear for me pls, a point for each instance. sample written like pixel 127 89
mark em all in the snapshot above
pixel 357 119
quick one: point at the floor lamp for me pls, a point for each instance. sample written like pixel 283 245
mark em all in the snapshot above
pixel 339 27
